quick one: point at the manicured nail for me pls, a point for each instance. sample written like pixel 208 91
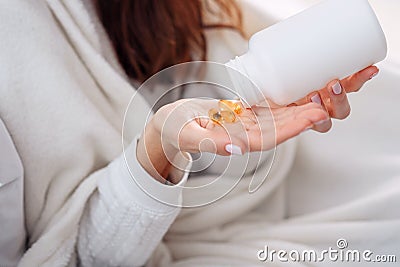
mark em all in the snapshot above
pixel 232 149
pixel 316 99
pixel 374 75
pixel 337 88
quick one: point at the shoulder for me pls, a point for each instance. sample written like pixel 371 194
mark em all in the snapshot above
pixel 23 18
pixel 28 31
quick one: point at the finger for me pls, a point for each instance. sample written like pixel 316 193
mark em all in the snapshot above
pixel 304 117
pixel 354 82
pixel 335 100
pixel 317 98
pixel 350 84
pixel 288 112
pixel 234 142
pixel 218 139
pixel 292 130
pixel 323 126
pixel 312 97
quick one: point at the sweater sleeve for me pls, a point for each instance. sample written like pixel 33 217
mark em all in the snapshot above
pixel 123 223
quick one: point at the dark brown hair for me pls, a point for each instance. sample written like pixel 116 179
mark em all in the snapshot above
pixel 150 35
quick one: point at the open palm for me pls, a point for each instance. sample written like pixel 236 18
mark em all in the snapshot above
pixel 186 126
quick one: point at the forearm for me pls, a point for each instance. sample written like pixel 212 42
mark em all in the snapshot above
pixel 123 224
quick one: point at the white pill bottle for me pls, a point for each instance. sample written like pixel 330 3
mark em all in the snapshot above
pixel 301 54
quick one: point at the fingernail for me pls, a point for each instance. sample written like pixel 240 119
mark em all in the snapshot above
pixel 337 88
pixel 316 99
pixel 232 149
pixel 374 75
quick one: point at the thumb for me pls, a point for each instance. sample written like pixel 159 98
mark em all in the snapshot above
pixel 217 140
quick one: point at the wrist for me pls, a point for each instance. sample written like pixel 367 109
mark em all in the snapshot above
pixel 154 155
pixel 154 139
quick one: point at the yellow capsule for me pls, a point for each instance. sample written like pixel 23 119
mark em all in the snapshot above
pixel 232 105
pixel 215 116
pixel 228 116
pixel 220 117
